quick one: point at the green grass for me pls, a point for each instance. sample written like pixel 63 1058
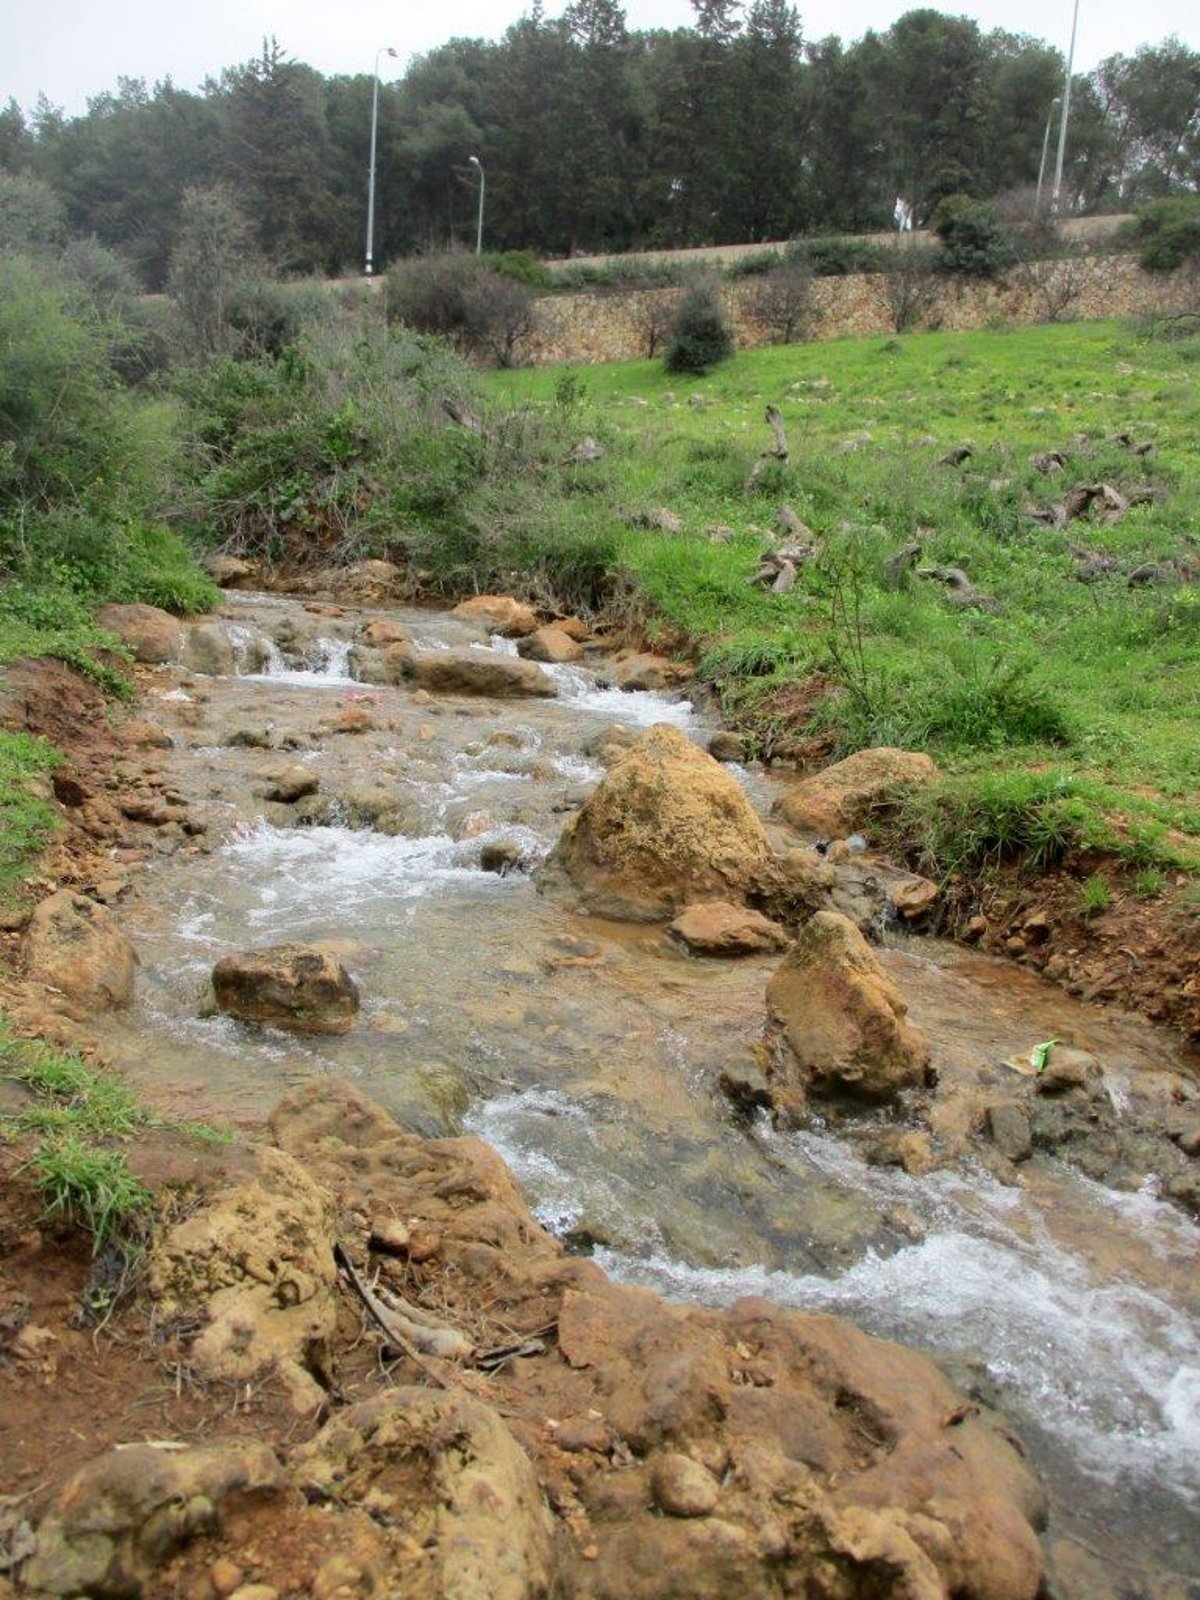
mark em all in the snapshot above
pixel 27 819
pixel 1095 683
pixel 79 1114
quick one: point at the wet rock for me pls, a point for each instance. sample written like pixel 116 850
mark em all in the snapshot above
pixel 208 649
pixel 744 1084
pixel 550 644
pixel 139 734
pixel 666 824
pixel 610 744
pixel 1184 1189
pixel 293 784
pixel 502 855
pixel 720 929
pixel 293 986
pixel 256 1262
pixel 75 945
pixel 250 738
pixel 472 672
pixel 843 798
pixel 803 881
pixel 1067 1068
pixel 446 1461
pixel 369 583
pixel 909 1150
pixel 499 612
pixel 231 572
pixel 682 1487
pixel 1009 1129
pixel 912 896
pixel 642 671
pixel 151 635
pixel 726 746
pixel 841 1018
pixel 379 632
pixel 117 1520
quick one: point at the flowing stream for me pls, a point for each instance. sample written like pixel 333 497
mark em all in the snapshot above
pixel 587 1053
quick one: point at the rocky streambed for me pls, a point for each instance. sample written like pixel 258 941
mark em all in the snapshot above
pixel 437 814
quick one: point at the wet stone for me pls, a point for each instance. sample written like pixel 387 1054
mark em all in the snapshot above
pixel 1009 1130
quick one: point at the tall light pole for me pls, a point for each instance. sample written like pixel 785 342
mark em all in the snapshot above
pixel 384 49
pixel 1037 203
pixel 1062 125
pixel 478 165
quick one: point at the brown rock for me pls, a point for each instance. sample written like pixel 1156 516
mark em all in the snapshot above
pixel 256 1263
pixel 667 824
pixel 720 929
pixel 452 1458
pixel 550 644
pixel 122 1515
pixel 368 583
pixel 231 572
pixel 75 945
pixel 142 735
pixel 151 635
pixel 682 1487
pixel 499 612
pixel 207 648
pixel 727 746
pixel 379 632
pixel 841 1016
pixel 1067 1068
pixel 472 672
pixel 292 986
pixel 911 895
pixel 1009 1130
pixel 644 671
pixel 842 799
pixel 293 784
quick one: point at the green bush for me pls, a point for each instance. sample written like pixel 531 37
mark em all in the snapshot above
pixel 700 336
pixel 837 258
pixel 1168 233
pixel 975 243
pixel 462 298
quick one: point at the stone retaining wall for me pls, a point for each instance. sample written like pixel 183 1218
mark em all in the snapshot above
pixel 613 325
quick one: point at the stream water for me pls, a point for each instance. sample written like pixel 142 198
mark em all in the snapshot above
pixel 588 1054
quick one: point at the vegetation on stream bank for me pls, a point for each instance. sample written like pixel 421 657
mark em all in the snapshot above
pixel 990 537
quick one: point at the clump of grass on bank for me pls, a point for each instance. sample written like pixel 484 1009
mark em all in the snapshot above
pixel 77 1115
pixel 27 819
pixel 1062 711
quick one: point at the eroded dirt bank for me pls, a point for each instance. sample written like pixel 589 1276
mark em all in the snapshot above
pixel 755 1450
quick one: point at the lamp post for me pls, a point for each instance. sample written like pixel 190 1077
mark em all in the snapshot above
pixel 1054 105
pixel 478 165
pixel 1062 125
pixel 384 49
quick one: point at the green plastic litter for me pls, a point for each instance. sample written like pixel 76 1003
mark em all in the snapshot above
pixel 1040 1054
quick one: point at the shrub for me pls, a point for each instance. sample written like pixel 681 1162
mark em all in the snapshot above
pixel 701 337
pixel 459 297
pixel 837 258
pixel 974 241
pixel 1168 233
pixel 910 289
pixel 783 302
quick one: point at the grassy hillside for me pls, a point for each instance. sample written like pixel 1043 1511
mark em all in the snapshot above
pixel 1064 703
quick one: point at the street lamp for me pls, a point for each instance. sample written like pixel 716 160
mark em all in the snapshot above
pixel 478 165
pixel 384 49
pixel 1054 105
pixel 1062 126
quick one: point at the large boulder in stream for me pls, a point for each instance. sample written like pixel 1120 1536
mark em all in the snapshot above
pixel 151 635
pixel 74 945
pixel 500 613
pixel 842 799
pixel 666 826
pixel 293 986
pixel 839 1021
pixel 473 672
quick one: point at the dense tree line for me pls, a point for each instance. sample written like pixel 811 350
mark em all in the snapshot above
pixel 597 138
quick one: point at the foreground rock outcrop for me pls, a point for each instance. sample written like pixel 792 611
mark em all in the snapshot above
pixel 666 826
pixel 630 1450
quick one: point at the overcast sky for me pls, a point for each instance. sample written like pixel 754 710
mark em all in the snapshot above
pixel 70 49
